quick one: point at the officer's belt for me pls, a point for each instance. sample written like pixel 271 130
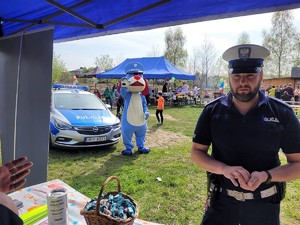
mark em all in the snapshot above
pixel 242 196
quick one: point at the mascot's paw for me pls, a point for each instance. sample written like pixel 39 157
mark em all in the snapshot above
pixel 127 152
pixel 144 150
pixel 146 115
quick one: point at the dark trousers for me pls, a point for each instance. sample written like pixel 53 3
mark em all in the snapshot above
pixel 120 104
pixel 227 210
pixel 160 112
pixel 108 101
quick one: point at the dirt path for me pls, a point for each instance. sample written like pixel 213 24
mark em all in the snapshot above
pixel 162 139
pixel 158 138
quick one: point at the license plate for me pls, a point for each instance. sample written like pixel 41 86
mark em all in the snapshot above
pixel 95 139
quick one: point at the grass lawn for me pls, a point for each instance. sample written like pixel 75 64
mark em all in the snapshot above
pixel 179 197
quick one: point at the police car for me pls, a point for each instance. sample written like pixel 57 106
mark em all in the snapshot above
pixel 79 118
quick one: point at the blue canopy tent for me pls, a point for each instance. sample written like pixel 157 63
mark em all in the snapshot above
pixel 154 68
pixel 77 19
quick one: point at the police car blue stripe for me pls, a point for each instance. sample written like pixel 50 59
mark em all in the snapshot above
pixel 86 117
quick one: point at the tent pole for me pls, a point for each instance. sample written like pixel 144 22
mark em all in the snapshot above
pixel 17 94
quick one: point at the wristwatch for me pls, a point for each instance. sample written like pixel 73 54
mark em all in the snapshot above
pixel 268 181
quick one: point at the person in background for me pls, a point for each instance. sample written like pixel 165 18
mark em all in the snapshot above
pixel 12 177
pixel 97 93
pixel 108 95
pixel 289 89
pixel 268 89
pixel 114 87
pixel 246 129
pixel 185 88
pixel 116 95
pixel 160 109
pixel 165 88
pixel 152 96
pixel 278 92
pixel 286 97
pixel 272 91
pixel 195 94
pixel 119 102
pixel 174 98
pixel 296 94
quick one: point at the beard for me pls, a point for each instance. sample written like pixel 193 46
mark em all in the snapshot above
pixel 244 97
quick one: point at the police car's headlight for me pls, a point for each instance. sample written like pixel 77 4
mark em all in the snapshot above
pixel 62 125
pixel 116 125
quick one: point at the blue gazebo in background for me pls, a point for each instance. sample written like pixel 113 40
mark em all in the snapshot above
pixel 154 68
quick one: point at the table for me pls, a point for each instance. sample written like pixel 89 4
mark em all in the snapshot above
pixel 35 196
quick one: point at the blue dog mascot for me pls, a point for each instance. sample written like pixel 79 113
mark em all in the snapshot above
pixel 133 89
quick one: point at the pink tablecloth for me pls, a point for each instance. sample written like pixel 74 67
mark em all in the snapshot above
pixel 35 196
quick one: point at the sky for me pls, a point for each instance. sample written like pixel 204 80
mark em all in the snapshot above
pixel 222 33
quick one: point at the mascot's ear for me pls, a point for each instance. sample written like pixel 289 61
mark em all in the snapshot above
pixel 122 83
pixel 146 89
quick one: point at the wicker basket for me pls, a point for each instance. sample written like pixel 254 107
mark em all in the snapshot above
pixel 93 217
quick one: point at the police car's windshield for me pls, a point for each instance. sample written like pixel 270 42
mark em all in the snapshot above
pixel 77 101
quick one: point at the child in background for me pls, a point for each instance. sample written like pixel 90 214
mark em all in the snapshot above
pixel 160 109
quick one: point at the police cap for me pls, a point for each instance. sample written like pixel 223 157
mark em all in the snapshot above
pixel 134 68
pixel 245 58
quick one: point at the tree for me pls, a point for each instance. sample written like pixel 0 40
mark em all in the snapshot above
pixel 155 51
pixel 59 70
pixel 208 56
pixel 194 61
pixel 118 59
pixel 296 60
pixel 282 44
pixel 244 38
pixel 175 52
pixel 104 62
pixel 194 67
pixel 220 70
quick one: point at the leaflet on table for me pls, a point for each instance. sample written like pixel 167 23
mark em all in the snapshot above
pixel 42 222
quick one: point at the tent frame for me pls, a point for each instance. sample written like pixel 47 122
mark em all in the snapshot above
pixel 70 10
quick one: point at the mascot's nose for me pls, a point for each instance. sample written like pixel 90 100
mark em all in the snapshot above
pixel 137 77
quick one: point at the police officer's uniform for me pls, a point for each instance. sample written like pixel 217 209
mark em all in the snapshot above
pixel 252 141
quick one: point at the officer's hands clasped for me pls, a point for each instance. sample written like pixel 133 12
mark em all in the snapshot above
pixel 239 176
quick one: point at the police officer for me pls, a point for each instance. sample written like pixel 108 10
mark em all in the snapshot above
pixel 246 130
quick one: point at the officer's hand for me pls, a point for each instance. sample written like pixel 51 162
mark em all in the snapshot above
pixel 146 115
pixel 237 174
pixel 256 179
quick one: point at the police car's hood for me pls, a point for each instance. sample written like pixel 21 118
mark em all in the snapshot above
pixel 88 117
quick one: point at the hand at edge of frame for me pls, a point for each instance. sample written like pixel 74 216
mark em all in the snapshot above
pixel 13 173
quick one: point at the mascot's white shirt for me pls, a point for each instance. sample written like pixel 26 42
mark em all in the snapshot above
pixel 135 113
